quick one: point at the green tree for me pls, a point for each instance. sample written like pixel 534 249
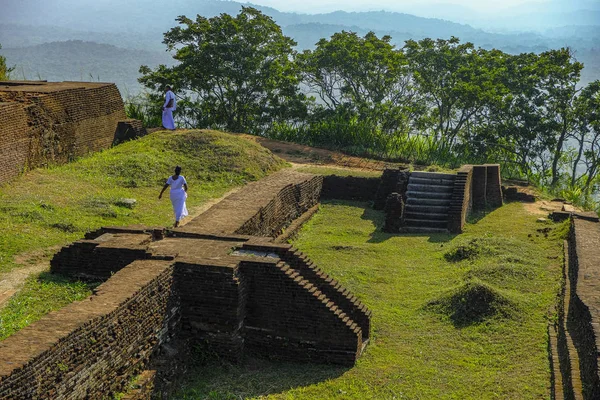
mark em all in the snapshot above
pixel 366 76
pixel 454 79
pixel 233 73
pixel 585 167
pixel 4 69
pixel 511 127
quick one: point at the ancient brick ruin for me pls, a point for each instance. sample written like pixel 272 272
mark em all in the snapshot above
pixel 227 283
pixel 43 123
pixel 575 336
pixel 208 282
pixel 429 202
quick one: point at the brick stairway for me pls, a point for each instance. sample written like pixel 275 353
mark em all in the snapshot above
pixel 427 202
pixel 338 300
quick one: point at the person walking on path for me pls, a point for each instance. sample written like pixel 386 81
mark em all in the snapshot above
pixel 178 194
pixel 168 108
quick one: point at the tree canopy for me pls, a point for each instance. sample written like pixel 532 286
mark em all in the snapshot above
pixel 451 100
pixel 235 73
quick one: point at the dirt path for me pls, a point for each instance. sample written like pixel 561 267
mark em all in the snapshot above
pixel 28 264
pixel 298 154
pixel 544 207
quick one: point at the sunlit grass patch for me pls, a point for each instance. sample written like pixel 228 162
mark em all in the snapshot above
pixel 474 328
pixel 40 295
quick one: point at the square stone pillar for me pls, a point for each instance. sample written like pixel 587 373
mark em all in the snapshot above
pixel 479 187
pixel 493 190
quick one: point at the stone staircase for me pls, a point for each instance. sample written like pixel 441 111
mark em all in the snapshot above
pixel 428 202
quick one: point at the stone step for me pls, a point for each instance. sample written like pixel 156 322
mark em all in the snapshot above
pixel 413 194
pixel 421 229
pixel 429 188
pixel 431 181
pixel 426 208
pixel 432 175
pixel 428 216
pixel 425 223
pixel 433 201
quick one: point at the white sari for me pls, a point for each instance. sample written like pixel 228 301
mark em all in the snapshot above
pixel 178 197
pixel 167 114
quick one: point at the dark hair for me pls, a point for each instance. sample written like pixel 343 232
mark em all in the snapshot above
pixel 177 170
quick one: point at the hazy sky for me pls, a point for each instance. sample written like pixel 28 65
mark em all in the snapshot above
pixel 391 5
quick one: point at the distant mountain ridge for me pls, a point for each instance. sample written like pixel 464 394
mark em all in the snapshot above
pixel 37 35
pixel 83 61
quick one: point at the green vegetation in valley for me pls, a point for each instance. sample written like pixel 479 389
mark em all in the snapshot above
pixel 55 206
pixel 454 316
pixel 4 69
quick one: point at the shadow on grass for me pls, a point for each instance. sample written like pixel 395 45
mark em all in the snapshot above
pixel 378 236
pixel 254 377
pixel 476 216
pixel 64 280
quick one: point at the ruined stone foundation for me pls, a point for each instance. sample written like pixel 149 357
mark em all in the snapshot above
pixel 219 283
pixel 44 123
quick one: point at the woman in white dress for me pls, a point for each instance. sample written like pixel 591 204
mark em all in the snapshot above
pixel 178 194
pixel 169 106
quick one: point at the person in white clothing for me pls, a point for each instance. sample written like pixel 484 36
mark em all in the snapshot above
pixel 178 194
pixel 168 108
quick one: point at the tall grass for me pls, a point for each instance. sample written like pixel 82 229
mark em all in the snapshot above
pixel 141 108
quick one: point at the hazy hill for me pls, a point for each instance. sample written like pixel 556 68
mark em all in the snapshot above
pixel 17 35
pixel 88 61
pixel 27 25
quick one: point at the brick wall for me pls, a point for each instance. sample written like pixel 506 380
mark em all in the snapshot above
pixel 89 348
pixel 204 295
pixel 288 204
pixel 392 181
pixel 100 258
pixel 461 202
pixel 486 189
pixel 479 191
pixel 583 320
pixel 261 208
pixel 349 188
pixel 14 141
pixel 342 297
pixel 44 123
pixel 213 302
pixel 493 189
pixel 289 318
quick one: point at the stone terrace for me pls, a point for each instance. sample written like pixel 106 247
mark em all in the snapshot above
pixel 208 283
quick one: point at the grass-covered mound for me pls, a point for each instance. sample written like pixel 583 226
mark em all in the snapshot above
pixel 54 206
pixel 473 302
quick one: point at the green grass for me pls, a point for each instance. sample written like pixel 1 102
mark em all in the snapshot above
pixel 55 206
pixel 427 343
pixel 40 295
